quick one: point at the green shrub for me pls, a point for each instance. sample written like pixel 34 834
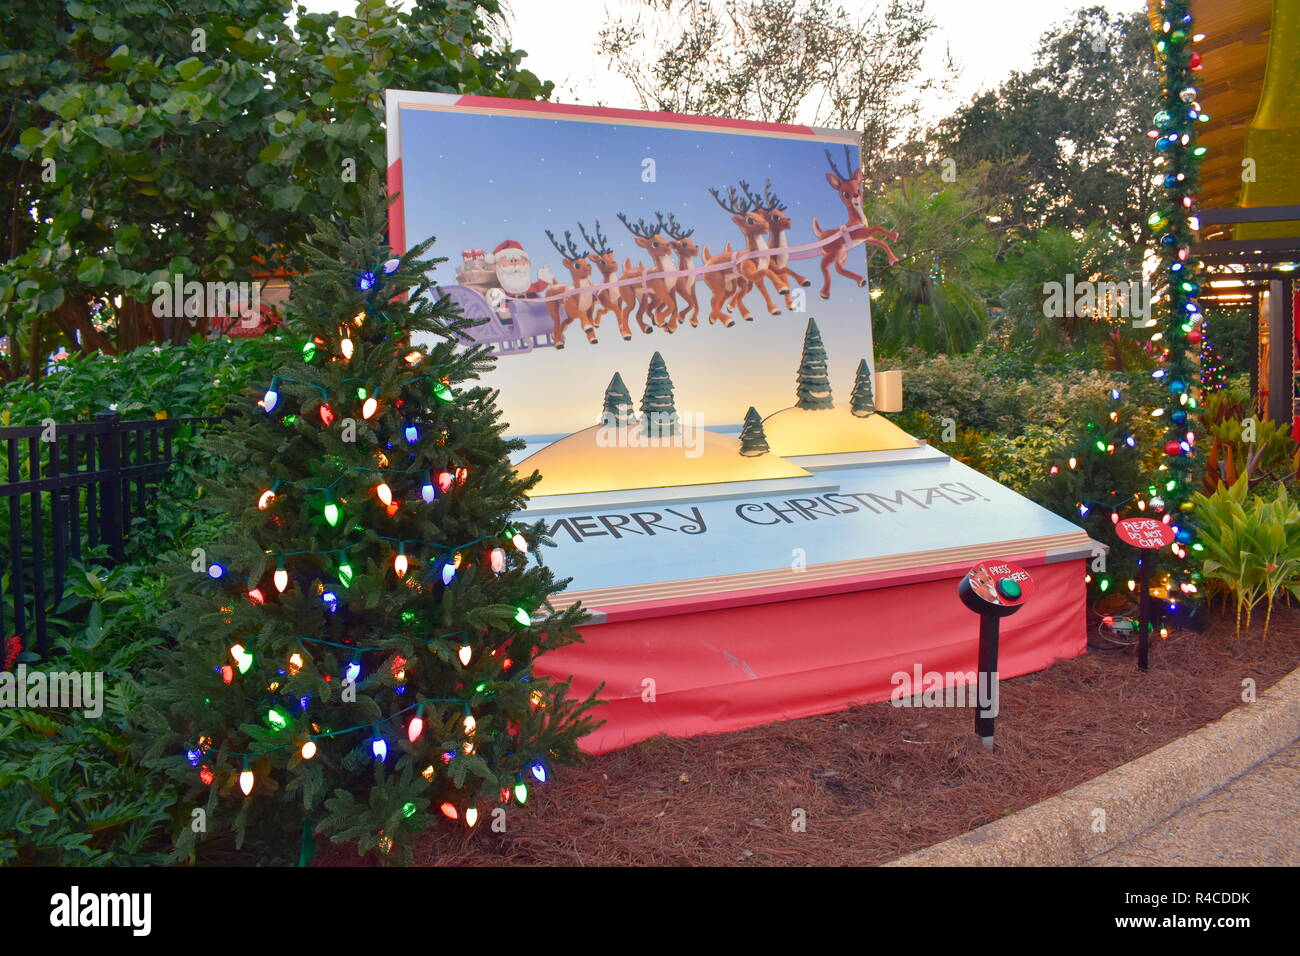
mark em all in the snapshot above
pixel 70 795
pixel 174 381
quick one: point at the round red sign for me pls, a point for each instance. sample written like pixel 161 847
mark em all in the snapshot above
pixel 1000 582
pixel 1144 532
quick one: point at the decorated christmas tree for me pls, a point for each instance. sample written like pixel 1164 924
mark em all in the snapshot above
pixel 354 653
pixel 1174 223
pixel 1214 375
pixel 1100 473
pixel 862 401
pixel 752 440
pixel 814 389
pixel 659 414
pixel 618 404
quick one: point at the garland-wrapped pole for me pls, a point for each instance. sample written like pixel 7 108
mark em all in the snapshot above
pixel 1174 224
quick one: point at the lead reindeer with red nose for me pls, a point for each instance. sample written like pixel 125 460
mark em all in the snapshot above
pixel 836 253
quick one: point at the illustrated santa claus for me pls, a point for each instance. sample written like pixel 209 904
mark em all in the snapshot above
pixel 514 269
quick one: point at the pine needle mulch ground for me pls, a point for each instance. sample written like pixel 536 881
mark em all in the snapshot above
pixel 876 781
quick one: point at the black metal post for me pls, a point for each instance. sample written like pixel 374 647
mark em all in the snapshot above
pixel 110 498
pixel 1144 607
pixel 987 678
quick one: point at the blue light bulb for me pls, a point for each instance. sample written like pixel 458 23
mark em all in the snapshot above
pixel 412 434
pixel 539 772
pixel 215 571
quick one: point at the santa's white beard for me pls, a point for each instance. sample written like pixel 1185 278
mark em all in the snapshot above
pixel 515 279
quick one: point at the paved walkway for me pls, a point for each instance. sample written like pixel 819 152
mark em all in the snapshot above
pixel 1253 820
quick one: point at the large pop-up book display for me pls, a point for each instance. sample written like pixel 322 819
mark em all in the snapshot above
pixel 681 314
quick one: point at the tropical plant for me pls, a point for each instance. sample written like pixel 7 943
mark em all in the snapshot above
pixel 931 297
pixel 1252 546
pixel 1045 258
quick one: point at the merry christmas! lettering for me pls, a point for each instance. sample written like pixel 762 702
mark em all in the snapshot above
pixel 650 523
pixel 643 524
pixel 832 505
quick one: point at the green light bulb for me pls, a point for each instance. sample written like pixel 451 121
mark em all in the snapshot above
pixel 408 810
pixel 309 351
pixel 345 569
pixel 332 514
pixel 441 392
pixel 521 792
pixel 276 719
pixel 522 617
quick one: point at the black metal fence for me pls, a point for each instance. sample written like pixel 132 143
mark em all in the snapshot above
pixel 84 484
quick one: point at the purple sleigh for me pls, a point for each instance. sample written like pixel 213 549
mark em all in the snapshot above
pixel 529 326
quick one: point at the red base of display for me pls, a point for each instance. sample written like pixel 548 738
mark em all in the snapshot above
pixel 730 661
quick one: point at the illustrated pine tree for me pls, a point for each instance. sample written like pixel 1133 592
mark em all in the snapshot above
pixel 862 402
pixel 814 386
pixel 753 441
pixel 659 414
pixel 353 655
pixel 618 408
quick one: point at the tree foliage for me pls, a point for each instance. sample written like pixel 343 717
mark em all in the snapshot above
pixel 781 61
pixel 1064 141
pixel 146 139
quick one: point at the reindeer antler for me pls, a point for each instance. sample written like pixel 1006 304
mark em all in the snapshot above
pixel 738 206
pixel 673 228
pixel 848 163
pixel 572 251
pixel 645 231
pixel 835 169
pixel 771 200
pixel 599 245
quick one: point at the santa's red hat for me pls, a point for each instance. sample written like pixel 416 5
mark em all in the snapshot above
pixel 508 244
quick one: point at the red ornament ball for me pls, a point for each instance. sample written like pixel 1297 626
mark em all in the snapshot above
pixel 1195 336
pixel 1194 61
pixel 1172 447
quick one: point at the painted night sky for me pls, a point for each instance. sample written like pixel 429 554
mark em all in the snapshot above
pixel 474 180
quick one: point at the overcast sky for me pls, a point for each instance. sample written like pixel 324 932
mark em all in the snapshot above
pixel 988 39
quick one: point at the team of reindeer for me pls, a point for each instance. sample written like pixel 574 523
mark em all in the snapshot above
pixel 654 300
